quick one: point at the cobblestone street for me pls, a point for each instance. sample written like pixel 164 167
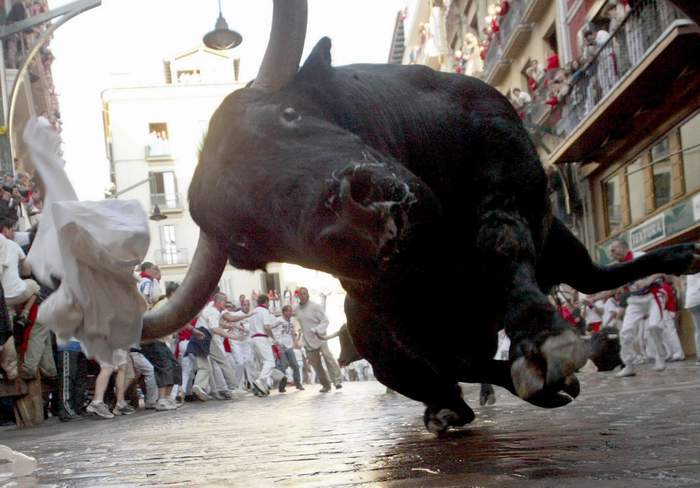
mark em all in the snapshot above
pixel 638 432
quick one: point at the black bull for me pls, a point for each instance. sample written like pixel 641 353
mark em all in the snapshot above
pixel 422 192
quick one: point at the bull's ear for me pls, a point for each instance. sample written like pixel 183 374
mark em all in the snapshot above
pixel 318 64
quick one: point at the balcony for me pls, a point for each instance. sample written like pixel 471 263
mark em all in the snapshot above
pixel 507 42
pixel 631 85
pixel 171 257
pixel 534 9
pixel 167 202
pixel 158 150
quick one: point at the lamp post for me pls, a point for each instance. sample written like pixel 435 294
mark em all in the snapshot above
pixel 156 216
pixel 222 38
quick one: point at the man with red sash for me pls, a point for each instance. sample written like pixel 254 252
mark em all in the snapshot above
pixel 641 304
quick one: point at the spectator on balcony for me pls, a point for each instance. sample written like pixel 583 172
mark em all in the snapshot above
pixel 521 101
pixel 552 61
pixel 535 74
pixel 617 12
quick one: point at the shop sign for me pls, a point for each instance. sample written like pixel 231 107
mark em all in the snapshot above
pixel 651 231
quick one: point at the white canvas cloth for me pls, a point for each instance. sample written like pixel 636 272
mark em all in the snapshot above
pixel 92 248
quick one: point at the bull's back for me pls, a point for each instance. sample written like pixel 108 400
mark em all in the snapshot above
pixel 460 135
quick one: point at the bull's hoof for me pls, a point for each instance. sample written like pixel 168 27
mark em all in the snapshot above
pixel 544 375
pixel 438 420
pixel 487 396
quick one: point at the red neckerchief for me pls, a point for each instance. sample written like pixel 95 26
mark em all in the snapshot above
pixel 264 305
pixel 629 256
pixel 144 274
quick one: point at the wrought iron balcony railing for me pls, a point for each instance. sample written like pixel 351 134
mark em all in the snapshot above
pixel 166 201
pixel 171 256
pixel 623 51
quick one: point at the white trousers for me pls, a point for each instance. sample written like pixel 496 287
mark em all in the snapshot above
pixel 243 361
pixel 639 307
pixel 264 355
pixel 672 343
pixel 144 366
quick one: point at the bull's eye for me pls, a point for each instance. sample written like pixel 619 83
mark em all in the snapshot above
pixel 290 115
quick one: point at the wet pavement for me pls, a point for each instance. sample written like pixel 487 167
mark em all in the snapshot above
pixel 634 433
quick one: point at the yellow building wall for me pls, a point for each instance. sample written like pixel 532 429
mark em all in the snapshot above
pixel 536 48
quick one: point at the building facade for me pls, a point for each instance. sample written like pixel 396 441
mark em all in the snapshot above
pixel 152 136
pixel 610 93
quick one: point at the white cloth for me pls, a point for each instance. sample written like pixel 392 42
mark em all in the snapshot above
pixel 262 318
pixel 10 256
pixel 593 312
pixel 92 247
pixel 639 307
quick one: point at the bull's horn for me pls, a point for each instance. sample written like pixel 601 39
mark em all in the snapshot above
pixel 283 53
pixel 202 277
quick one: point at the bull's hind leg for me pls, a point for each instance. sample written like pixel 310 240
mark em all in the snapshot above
pixel 545 351
pixel 399 366
pixel 565 260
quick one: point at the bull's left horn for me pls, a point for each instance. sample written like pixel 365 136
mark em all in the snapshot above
pixel 283 53
pixel 202 277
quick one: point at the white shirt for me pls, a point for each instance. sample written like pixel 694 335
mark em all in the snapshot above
pixel 610 308
pixel 258 321
pixel 692 290
pixel 10 256
pixel 312 319
pixel 209 319
pixel 241 329
pixel 593 312
pixel 283 332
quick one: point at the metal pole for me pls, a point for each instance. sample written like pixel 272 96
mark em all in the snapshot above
pixel 23 71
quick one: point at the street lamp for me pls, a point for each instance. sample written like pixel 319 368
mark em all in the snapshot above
pixel 222 38
pixel 111 192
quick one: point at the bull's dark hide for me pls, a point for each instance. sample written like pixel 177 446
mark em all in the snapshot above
pixel 605 349
pixel 410 185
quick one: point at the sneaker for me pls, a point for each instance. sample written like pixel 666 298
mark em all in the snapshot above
pixel 224 395
pixel 99 409
pixel 70 417
pixel 659 364
pixel 237 392
pixel 626 371
pixel 123 409
pixel 338 386
pixel 165 404
pixel 325 389
pixel 283 384
pixel 261 387
pixel 300 387
pixel 150 406
pixel 200 393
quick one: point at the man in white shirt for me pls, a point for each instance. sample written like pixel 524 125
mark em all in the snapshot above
pixel 640 304
pixel 242 355
pixel 283 333
pixel 260 326
pixel 210 318
pixel 314 324
pixel 14 265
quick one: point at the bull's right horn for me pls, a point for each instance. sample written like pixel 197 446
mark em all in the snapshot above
pixel 283 53
pixel 202 277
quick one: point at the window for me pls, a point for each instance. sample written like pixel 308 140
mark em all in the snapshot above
pixel 611 189
pixel 188 76
pixel 690 143
pixel 158 140
pixel 661 165
pixel 635 188
pixel 168 246
pixel 164 190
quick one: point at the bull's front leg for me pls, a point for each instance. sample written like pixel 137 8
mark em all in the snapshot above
pixel 545 351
